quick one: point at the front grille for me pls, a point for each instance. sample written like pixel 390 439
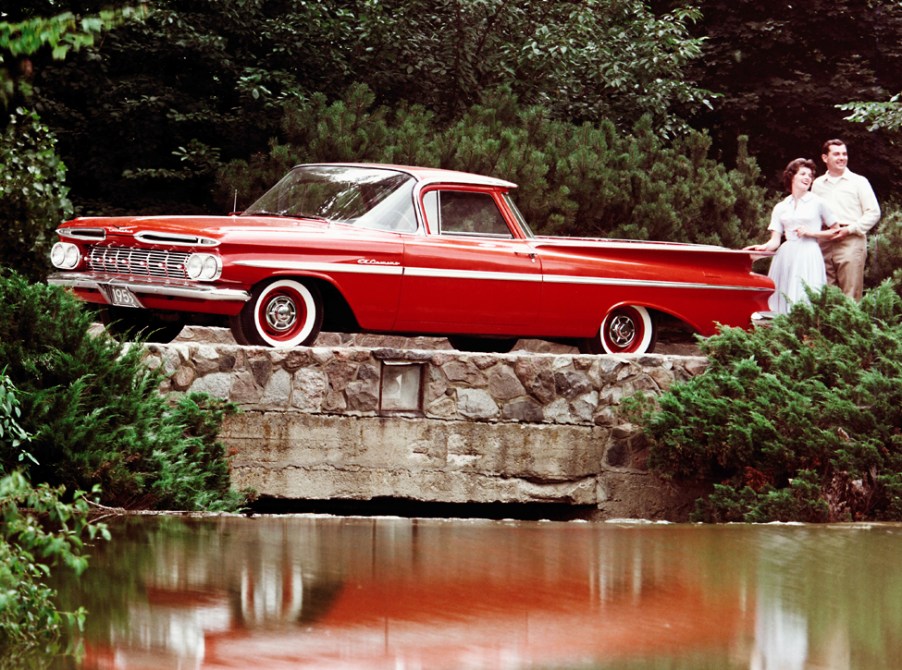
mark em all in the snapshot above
pixel 138 262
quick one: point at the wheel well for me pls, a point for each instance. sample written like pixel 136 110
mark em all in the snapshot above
pixel 337 314
pixel 670 326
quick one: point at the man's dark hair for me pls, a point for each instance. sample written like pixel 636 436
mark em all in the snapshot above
pixel 835 142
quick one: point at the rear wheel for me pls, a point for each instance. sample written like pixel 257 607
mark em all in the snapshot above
pixel 283 313
pixel 492 345
pixel 624 330
pixel 126 324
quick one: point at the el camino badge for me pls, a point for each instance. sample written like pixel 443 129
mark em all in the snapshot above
pixel 374 261
pixel 120 297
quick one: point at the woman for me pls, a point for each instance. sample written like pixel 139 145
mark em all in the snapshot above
pixel 802 218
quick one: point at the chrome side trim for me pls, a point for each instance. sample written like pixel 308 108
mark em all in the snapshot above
pixel 646 283
pixel 439 273
pixel 328 268
pixel 361 267
pixel 83 280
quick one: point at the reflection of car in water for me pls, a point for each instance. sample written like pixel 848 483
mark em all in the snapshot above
pixel 389 249
pixel 394 593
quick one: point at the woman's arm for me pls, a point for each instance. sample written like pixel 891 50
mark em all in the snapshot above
pixel 771 245
pixel 825 234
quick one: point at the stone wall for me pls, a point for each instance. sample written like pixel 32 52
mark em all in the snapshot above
pixel 338 422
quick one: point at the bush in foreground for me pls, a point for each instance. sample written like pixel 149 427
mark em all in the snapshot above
pixel 798 421
pixel 885 247
pixel 95 414
pixel 38 532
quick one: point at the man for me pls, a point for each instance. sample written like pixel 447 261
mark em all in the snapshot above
pixel 852 200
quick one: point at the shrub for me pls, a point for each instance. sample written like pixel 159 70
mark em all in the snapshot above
pixel 95 413
pixel 33 195
pixel 38 532
pixel 801 420
pixel 192 472
pixel 885 247
pixel 12 436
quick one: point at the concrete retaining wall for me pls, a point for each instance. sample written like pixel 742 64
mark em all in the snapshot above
pixel 436 425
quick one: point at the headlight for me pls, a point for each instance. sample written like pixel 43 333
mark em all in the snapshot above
pixel 65 256
pixel 203 267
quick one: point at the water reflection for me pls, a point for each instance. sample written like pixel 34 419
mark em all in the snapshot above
pixel 324 592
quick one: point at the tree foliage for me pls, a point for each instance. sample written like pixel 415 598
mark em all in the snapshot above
pixel 877 115
pixel 34 197
pixel 147 117
pixel 781 69
pixel 797 421
pixel 590 179
pixel 585 61
pixel 59 34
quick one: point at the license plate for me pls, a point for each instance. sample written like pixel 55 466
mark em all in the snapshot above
pixel 121 297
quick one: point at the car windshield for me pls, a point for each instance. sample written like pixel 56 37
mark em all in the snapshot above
pixel 367 197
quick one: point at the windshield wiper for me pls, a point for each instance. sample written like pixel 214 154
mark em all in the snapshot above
pixel 285 215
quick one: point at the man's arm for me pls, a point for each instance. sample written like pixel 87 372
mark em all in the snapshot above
pixel 870 208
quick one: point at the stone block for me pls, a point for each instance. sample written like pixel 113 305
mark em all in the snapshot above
pixel 522 427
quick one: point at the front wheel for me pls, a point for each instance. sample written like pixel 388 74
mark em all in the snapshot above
pixel 624 330
pixel 284 313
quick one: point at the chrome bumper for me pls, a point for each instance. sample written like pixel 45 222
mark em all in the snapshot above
pixel 173 289
pixel 763 318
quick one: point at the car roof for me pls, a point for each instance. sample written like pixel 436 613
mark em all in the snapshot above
pixel 428 175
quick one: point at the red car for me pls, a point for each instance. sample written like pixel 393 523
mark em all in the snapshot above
pixel 403 250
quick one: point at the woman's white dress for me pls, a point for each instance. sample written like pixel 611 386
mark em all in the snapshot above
pixel 798 262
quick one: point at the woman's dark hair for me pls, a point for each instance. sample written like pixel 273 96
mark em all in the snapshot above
pixel 794 166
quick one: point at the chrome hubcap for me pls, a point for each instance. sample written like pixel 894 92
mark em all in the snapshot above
pixel 622 331
pixel 281 314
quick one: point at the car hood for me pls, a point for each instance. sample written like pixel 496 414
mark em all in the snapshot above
pixel 214 227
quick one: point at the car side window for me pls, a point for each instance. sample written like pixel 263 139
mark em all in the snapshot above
pixel 394 212
pixel 465 213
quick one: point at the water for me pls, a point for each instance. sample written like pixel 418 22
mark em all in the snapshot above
pixel 363 593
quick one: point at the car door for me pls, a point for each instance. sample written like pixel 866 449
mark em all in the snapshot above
pixel 470 273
